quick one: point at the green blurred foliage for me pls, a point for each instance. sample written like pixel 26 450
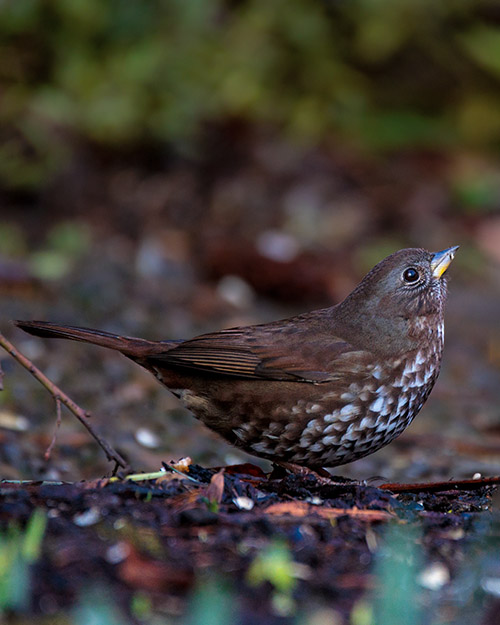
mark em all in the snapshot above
pixel 97 606
pixel 66 242
pixel 19 549
pixel 275 565
pixel 213 602
pixel 396 571
pixel 382 75
pixel 396 599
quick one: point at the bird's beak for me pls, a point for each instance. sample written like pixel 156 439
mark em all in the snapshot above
pixel 441 261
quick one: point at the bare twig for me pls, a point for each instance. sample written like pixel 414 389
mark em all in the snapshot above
pixel 433 487
pixel 49 449
pixel 61 397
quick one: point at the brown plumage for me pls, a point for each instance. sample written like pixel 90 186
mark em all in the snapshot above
pixel 316 390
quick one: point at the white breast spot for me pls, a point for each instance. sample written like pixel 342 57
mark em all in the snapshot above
pixel 329 440
pixel 398 382
pixel 420 358
pixel 377 405
pixel 441 331
pixel 351 435
pixel 429 373
pixel 348 397
pixel 410 368
pixel 391 426
pixel 366 422
pixel 347 412
pixel 313 408
pixel 402 401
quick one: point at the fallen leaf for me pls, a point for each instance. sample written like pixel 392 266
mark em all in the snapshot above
pixel 11 421
pixel 139 571
pixel 182 465
pixel 215 489
pixel 247 468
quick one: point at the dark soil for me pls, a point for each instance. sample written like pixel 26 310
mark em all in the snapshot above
pixel 165 538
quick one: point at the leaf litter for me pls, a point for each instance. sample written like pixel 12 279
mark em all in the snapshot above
pixel 300 545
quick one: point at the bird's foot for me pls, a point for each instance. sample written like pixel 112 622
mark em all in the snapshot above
pixel 320 475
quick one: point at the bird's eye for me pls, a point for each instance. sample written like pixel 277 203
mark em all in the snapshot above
pixel 410 275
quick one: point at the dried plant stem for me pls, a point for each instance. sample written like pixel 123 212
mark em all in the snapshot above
pixel 430 487
pixel 49 449
pixel 61 398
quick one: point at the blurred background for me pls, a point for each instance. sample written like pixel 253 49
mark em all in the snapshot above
pixel 169 168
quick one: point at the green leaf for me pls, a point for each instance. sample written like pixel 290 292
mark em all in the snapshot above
pixel 275 565
pixel 482 44
pixel 97 607
pixel 212 603
pixel 33 536
pixel 396 570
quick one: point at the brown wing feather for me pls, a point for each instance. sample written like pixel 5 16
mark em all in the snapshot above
pixel 265 352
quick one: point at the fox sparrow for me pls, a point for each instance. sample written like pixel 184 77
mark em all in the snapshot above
pixel 316 390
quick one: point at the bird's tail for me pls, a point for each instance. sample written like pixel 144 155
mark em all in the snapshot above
pixel 128 345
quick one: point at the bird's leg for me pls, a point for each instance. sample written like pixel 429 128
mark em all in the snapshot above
pixel 320 475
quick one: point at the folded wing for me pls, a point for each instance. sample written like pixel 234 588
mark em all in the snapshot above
pixel 268 354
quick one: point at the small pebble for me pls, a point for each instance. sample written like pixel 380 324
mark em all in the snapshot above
pixel 147 438
pixel 315 500
pixel 235 291
pixel 11 421
pixel 89 517
pixel 278 246
pixel 435 576
pixel 243 503
pixel 491 585
pixel 117 553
